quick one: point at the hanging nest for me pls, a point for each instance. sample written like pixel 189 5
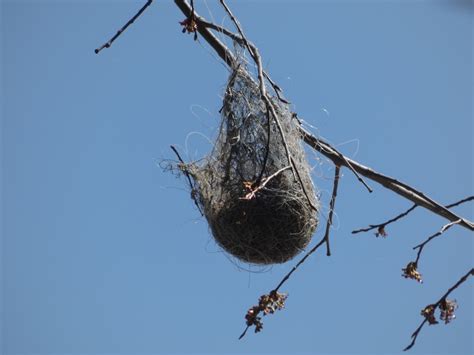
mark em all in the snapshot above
pixel 260 207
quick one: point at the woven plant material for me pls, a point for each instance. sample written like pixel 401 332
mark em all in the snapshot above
pixel 260 207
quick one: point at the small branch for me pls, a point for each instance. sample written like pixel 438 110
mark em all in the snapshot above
pixel 235 37
pixel 403 214
pixel 437 234
pixel 383 225
pixel 244 332
pixel 311 204
pixel 396 186
pixel 349 166
pixel 119 32
pixel 331 208
pixel 467 199
pixel 415 334
pixel 182 166
pixel 252 192
pixel 303 259
pixel 254 311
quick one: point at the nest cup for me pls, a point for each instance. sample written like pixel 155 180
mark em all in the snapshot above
pixel 277 221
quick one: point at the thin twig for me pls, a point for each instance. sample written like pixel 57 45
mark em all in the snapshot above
pixel 235 37
pixel 307 255
pixel 467 199
pixel 252 193
pixel 382 225
pixel 119 32
pixel 183 168
pixel 244 332
pixel 331 208
pixel 349 165
pixel 287 276
pixel 443 298
pixel 403 214
pixel 311 204
pixel 437 234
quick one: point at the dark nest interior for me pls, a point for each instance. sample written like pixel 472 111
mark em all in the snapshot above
pixel 260 207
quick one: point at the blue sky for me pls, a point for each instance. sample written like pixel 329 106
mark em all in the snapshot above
pixel 103 252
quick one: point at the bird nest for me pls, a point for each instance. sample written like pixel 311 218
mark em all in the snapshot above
pixel 255 188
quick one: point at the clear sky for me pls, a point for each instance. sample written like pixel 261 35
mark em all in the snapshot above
pixel 103 252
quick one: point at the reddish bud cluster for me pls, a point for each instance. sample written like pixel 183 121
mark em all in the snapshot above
pixel 381 232
pixel 428 313
pixel 410 272
pixel 446 307
pixel 268 304
pixel 189 24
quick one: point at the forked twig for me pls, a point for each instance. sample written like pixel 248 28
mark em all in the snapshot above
pixel 411 270
pixel 403 214
pixel 351 168
pixel 437 304
pixel 383 225
pixel 124 27
pixel 437 234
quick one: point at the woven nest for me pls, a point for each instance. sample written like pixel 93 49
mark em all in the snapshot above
pixel 259 208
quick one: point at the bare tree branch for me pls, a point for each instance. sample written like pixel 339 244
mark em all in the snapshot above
pixel 306 256
pixel 435 305
pixel 396 186
pixel 437 234
pixel 124 27
pixel 382 225
pixel 403 214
